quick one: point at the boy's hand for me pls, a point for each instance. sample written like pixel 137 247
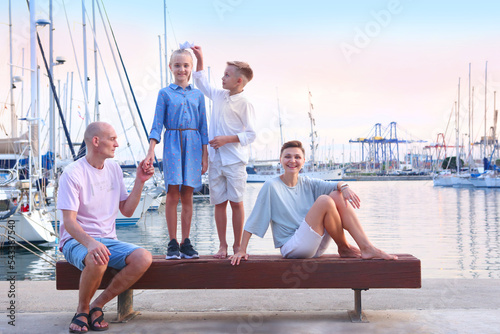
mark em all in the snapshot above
pixel 219 141
pixel 197 52
pixel 236 258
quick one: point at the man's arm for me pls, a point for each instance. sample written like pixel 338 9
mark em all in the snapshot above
pixel 128 206
pixel 98 251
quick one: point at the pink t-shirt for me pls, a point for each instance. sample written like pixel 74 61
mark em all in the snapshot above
pixel 95 194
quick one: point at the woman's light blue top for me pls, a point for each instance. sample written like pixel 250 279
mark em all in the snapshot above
pixel 285 207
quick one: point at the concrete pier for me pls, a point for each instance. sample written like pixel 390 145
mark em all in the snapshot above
pixel 441 306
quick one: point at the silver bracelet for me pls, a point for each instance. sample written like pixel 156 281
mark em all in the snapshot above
pixel 345 185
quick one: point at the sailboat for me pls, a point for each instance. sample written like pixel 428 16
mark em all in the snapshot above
pixel 24 217
pixel 312 168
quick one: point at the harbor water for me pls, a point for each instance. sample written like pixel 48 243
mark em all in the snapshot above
pixel 454 231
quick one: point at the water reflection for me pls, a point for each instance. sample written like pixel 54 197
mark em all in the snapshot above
pixel 454 231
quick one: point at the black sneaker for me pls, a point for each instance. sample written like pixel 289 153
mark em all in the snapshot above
pixel 187 250
pixel 173 250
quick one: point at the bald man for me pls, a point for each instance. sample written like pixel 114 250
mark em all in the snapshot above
pixel 91 191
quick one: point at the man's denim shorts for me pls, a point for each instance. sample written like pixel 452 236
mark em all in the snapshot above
pixel 75 252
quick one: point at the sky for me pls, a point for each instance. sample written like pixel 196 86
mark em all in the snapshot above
pixel 363 62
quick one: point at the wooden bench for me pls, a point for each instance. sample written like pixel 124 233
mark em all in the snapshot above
pixel 261 272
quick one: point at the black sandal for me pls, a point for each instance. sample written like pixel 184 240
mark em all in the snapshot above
pixel 99 319
pixel 80 323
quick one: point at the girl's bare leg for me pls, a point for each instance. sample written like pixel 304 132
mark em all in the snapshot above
pixel 171 202
pixel 186 211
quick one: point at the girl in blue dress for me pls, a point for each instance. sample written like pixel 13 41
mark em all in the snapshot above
pixel 180 109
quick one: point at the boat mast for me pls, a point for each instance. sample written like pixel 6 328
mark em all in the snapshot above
pixel 279 118
pixel 13 115
pixel 470 129
pixel 161 69
pixel 85 69
pixel 52 114
pixel 313 133
pixel 485 107
pixel 33 84
pixel 165 42
pixel 495 119
pixel 96 72
pixel 457 107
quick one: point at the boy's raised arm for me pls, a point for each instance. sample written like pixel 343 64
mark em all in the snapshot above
pixel 199 57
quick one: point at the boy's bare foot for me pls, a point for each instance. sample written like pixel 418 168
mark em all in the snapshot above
pixel 349 251
pixel 222 253
pixel 375 253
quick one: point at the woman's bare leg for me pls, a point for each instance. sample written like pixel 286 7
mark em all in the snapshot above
pixel 324 215
pixel 352 224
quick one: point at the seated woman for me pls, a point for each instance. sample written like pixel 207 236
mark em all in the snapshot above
pixel 306 213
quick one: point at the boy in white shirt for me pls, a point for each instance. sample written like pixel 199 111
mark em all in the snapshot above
pixel 230 131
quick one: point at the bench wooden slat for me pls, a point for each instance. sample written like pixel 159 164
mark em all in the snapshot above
pixel 265 272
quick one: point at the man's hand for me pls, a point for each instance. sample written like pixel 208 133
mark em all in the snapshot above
pixel 98 252
pixel 236 258
pixel 144 171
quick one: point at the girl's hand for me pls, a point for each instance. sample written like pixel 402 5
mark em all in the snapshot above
pixel 204 166
pixel 149 161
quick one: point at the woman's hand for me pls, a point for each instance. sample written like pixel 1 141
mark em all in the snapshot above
pixel 350 197
pixel 236 258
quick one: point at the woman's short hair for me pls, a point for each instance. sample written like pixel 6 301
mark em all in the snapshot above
pixel 293 143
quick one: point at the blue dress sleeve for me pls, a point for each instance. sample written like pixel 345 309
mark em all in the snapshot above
pixel 202 126
pixel 160 111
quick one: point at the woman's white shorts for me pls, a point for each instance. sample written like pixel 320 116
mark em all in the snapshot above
pixel 305 243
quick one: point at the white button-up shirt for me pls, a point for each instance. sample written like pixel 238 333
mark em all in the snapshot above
pixel 231 115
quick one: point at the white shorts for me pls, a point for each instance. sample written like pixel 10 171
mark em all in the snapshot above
pixel 305 243
pixel 227 182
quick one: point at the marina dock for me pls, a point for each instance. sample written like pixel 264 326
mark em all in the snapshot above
pixel 440 306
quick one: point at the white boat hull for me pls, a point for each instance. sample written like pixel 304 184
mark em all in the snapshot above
pixel 144 204
pixel 34 227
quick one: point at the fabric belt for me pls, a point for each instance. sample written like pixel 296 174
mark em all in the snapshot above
pixel 180 134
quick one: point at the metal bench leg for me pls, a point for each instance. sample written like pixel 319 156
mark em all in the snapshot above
pixel 357 314
pixel 125 307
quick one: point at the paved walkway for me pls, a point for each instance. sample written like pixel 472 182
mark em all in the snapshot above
pixel 441 306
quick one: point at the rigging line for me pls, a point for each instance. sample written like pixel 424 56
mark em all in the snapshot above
pixel 119 76
pixel 126 73
pixel 128 79
pixel 53 88
pixel 74 54
pixel 173 30
pixel 29 250
pixel 114 100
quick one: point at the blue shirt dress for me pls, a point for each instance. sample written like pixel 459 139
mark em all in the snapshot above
pixel 178 108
